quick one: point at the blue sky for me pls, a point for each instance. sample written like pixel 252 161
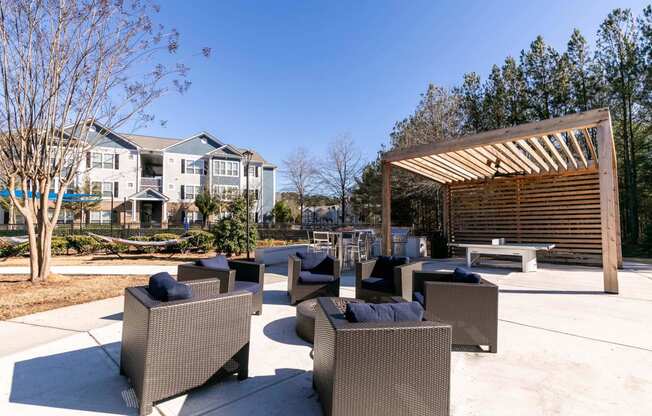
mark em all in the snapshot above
pixel 284 73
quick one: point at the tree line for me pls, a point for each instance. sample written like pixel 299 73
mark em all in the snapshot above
pixel 544 82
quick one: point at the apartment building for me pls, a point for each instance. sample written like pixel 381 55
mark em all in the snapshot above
pixel 153 181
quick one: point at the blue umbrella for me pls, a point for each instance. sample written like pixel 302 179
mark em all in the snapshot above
pixel 52 196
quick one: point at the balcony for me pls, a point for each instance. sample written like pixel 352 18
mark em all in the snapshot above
pixel 152 183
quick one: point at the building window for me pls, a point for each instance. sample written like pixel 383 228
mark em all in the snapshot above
pixel 195 167
pixel 194 217
pixel 191 191
pixel 100 217
pixel 226 168
pixel 102 188
pixel 253 171
pixel 102 160
pixel 226 192
pixel 65 216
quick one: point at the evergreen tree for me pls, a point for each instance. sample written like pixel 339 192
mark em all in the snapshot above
pixel 516 103
pixel 494 102
pixel 584 88
pixel 471 94
pixel 538 64
pixel 619 59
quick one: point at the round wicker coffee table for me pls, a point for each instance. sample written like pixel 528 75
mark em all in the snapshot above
pixel 307 312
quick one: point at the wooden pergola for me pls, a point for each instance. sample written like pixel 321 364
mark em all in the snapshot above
pixel 552 181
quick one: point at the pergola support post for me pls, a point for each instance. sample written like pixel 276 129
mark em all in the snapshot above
pixel 387 209
pixel 608 206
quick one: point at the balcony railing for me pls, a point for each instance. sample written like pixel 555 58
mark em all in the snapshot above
pixel 151 183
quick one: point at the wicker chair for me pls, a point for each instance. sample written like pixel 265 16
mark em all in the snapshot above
pixel 380 368
pixel 242 275
pixel 470 308
pixel 299 291
pixel 401 286
pixel 171 347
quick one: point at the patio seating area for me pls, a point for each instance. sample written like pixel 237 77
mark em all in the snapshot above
pixel 565 347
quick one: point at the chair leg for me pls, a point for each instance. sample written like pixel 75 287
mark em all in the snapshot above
pixel 145 409
pixel 242 357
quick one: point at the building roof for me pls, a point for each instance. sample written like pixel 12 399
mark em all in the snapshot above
pixel 151 142
pixel 256 157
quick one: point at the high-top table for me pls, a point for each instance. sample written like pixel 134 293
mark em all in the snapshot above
pixel 527 252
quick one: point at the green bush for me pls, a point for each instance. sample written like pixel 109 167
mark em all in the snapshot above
pixel 15 250
pixel 200 240
pixel 59 246
pixel 231 233
pixel 166 237
pixel 116 248
pixel 83 244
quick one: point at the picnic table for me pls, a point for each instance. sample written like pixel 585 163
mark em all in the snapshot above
pixel 527 252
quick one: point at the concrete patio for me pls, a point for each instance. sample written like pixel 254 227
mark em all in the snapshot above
pixel 564 348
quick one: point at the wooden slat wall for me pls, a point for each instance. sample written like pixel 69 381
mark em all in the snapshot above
pixel 560 209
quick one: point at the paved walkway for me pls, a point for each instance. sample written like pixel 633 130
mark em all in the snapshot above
pixel 564 348
pixel 120 269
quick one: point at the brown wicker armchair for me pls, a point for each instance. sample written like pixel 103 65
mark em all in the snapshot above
pixel 298 291
pixel 470 308
pixel 242 275
pixel 171 347
pixel 380 368
pixel 400 286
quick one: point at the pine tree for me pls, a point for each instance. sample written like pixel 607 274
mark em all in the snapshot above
pixel 538 64
pixel 494 102
pixel 471 94
pixel 584 88
pixel 515 93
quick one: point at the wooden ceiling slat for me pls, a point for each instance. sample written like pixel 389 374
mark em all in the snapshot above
pixel 567 152
pixel 442 169
pixel 454 167
pixel 543 152
pixel 560 160
pixel 589 142
pixel 578 148
pixel 475 161
pixel 533 153
pixel 513 158
pixel 419 171
pixel 510 166
pixel 453 158
pixel 519 153
pixel 484 154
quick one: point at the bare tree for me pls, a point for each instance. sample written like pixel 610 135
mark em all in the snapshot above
pixel 340 170
pixel 301 173
pixel 66 67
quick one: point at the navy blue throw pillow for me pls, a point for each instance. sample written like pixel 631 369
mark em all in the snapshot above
pixel 217 263
pixel 327 266
pixel 163 287
pixel 384 267
pixel 384 312
pixel 310 260
pixel 463 275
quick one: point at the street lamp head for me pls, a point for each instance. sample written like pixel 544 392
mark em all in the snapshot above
pixel 248 154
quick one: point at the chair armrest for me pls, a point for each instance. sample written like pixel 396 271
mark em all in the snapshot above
pixel 363 270
pixel 403 278
pixel 248 271
pixel 420 277
pixel 189 271
pixel 465 296
pixel 294 268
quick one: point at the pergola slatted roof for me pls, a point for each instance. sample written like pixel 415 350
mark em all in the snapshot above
pixel 566 173
pixel 554 145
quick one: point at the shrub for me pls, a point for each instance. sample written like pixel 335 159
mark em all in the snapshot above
pixel 116 248
pixel 166 237
pixel 59 246
pixel 200 240
pixel 83 244
pixel 230 232
pixel 15 250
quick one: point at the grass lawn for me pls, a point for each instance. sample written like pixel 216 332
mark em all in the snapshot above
pixel 19 297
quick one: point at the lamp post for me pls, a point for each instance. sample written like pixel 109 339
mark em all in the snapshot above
pixel 247 156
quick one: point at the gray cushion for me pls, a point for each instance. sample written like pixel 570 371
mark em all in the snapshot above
pixel 165 288
pixel 462 275
pixel 218 263
pixel 308 277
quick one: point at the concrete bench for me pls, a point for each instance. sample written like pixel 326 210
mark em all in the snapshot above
pixel 527 252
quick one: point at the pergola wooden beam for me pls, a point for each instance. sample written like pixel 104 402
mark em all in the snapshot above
pixel 540 128
pixel 543 152
pixel 566 150
pixel 434 165
pixel 555 153
pixel 578 148
pixel 533 154
pixel 589 143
